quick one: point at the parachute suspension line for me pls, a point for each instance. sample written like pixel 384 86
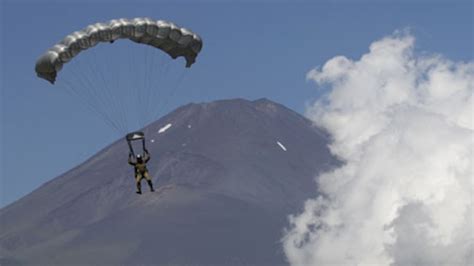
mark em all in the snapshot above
pixel 93 100
pixel 139 86
pixel 162 72
pixel 150 88
pixel 112 107
pixel 172 92
pixel 139 63
pixel 98 90
pixel 159 70
pixel 93 91
pixel 90 73
pixel 143 90
pixel 156 70
pixel 134 92
pixel 90 94
pixel 148 85
pixel 115 91
pixel 118 101
pixel 124 90
pixel 74 93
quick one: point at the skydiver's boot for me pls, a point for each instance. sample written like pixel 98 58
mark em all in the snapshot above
pixel 151 185
pixel 139 188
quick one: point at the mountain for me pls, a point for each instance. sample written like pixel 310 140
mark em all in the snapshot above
pixel 227 174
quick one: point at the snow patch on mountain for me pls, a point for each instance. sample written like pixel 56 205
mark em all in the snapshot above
pixel 281 146
pixel 163 129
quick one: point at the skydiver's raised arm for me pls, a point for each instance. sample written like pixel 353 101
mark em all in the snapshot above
pixel 130 160
pixel 146 156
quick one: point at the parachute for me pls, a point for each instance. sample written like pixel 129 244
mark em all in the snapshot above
pixel 142 85
pixel 170 38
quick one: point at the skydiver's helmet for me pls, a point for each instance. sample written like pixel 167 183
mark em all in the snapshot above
pixel 139 158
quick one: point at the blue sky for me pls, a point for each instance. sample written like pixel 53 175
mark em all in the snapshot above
pixel 251 50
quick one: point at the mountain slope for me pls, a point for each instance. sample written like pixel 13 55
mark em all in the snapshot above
pixel 227 175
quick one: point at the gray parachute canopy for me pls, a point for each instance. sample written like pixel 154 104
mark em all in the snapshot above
pixel 170 38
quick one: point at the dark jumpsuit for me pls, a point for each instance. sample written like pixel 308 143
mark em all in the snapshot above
pixel 141 171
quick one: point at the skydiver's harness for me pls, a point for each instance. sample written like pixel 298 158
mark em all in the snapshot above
pixel 140 168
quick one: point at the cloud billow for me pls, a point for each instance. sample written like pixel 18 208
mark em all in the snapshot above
pixel 402 122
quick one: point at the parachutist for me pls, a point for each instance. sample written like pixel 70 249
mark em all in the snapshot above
pixel 141 170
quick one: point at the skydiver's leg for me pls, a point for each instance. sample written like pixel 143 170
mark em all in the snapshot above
pixel 148 180
pixel 138 179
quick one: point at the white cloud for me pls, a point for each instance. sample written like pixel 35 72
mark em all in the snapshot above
pixel 403 125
